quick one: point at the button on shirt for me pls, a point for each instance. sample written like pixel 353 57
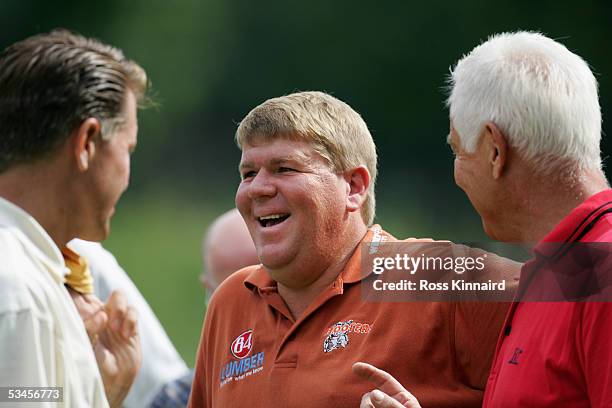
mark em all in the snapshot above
pixel 42 338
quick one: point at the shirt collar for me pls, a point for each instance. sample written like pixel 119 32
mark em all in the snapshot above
pixel 259 279
pixel 570 228
pixel 371 241
pixel 34 237
pixel 351 273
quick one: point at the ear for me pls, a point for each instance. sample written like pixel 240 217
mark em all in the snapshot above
pixel 497 148
pixel 358 183
pixel 84 142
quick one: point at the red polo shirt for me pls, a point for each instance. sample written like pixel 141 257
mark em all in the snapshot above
pixel 254 353
pixel 557 354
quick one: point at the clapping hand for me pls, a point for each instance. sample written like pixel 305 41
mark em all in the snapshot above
pixel 112 329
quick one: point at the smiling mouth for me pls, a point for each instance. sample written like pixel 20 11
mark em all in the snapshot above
pixel 272 219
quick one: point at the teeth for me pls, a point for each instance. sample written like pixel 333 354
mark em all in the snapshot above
pixel 271 217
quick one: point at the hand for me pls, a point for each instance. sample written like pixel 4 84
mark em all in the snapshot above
pixel 91 310
pixel 118 350
pixel 112 330
pixel 389 393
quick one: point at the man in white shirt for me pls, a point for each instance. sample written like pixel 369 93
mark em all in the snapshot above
pixel 67 127
pixel 161 363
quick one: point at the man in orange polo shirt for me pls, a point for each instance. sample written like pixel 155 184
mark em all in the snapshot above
pixel 288 331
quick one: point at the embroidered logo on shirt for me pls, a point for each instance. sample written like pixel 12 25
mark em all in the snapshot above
pixel 242 346
pixel 237 370
pixel 515 356
pixel 337 336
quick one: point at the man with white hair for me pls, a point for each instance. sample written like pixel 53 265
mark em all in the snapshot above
pixel 525 130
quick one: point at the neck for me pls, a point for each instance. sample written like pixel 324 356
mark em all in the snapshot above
pixel 545 201
pixel 36 189
pixel 298 299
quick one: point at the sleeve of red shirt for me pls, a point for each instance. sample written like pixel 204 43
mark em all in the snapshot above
pixel 596 353
pixel 477 328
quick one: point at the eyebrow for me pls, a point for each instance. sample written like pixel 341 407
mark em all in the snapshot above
pixel 299 158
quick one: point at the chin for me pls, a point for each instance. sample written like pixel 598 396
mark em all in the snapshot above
pixel 98 234
pixel 274 259
pixel 104 233
pixel 272 262
pixel 490 230
pixel 267 249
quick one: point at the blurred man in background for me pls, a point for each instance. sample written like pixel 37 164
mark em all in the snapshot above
pixel 526 132
pixel 227 247
pixel 68 124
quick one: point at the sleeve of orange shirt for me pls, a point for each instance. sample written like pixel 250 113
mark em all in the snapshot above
pixel 199 398
pixel 478 325
pixel 477 328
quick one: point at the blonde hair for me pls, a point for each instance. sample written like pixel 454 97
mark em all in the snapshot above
pixel 334 130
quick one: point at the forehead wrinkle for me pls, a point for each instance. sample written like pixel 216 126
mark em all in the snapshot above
pixel 299 157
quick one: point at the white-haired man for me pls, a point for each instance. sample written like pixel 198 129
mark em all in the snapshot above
pixel 286 332
pixel 525 129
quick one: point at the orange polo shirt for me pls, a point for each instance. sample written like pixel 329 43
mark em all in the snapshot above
pixel 253 353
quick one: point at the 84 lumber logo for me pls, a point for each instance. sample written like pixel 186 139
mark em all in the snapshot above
pixel 242 346
pixel 245 366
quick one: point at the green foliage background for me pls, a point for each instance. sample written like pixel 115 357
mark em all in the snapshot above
pixel 211 61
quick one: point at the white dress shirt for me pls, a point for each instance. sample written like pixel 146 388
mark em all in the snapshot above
pixel 42 338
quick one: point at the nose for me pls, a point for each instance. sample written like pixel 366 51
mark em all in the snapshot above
pixel 262 186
